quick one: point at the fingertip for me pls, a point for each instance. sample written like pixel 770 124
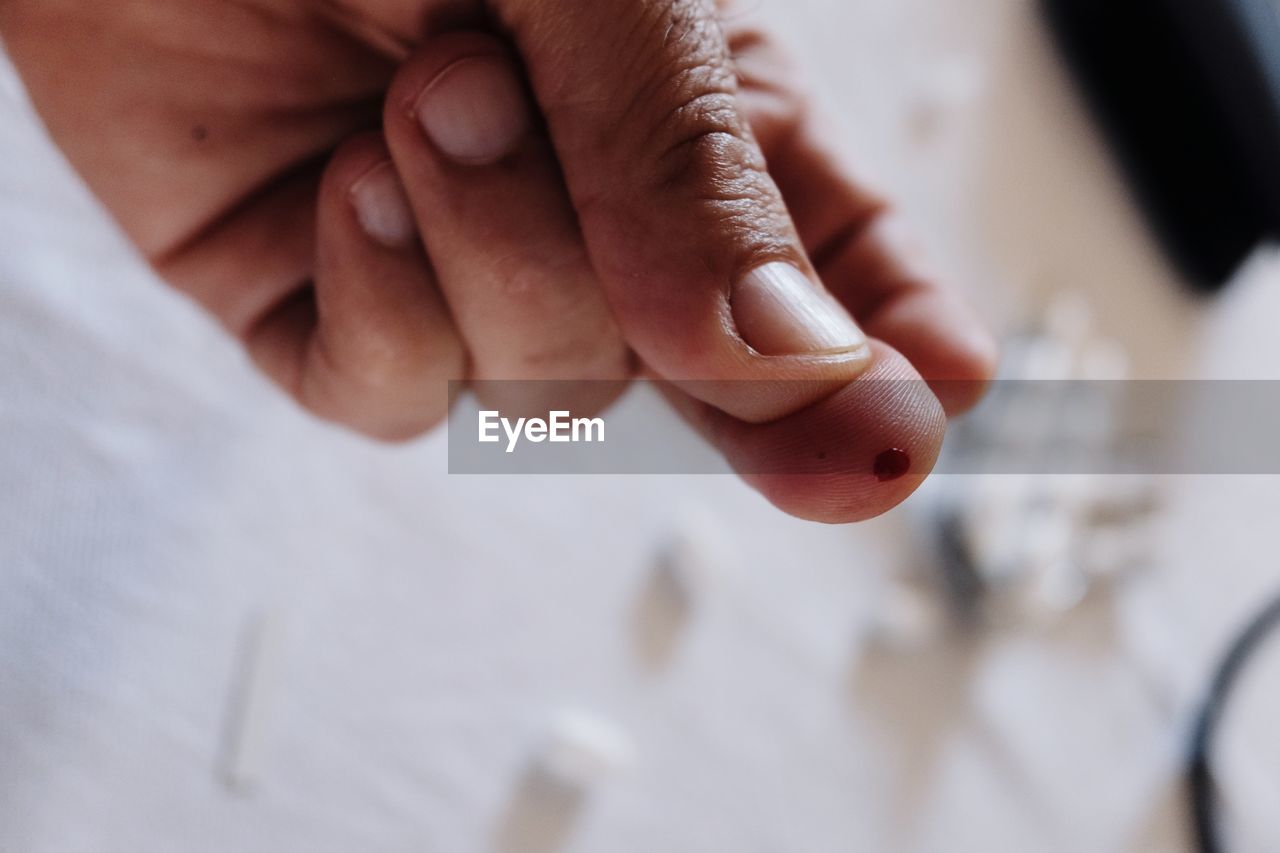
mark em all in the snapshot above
pixel 408 116
pixel 380 347
pixel 362 188
pixel 974 362
pixel 848 457
pixel 393 433
pixel 504 240
pixel 352 159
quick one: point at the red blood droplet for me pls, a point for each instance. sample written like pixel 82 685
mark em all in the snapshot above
pixel 891 464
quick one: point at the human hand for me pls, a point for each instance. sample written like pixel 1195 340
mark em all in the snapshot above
pixel 662 149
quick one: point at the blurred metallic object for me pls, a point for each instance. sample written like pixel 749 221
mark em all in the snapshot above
pixel 1031 547
pixel 1013 548
pixel 1188 92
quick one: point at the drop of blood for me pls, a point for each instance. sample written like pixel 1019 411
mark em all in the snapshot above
pixel 891 464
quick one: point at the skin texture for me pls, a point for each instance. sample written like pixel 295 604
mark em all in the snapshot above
pixel 671 151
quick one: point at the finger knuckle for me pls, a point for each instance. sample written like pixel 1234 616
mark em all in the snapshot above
pixel 720 177
pixel 379 364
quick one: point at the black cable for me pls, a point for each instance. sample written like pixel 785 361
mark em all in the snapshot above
pixel 1200 789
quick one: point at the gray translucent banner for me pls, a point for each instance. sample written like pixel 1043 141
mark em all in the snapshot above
pixel 1020 427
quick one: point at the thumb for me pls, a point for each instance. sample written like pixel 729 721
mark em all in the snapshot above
pixel 684 225
pixel 702 265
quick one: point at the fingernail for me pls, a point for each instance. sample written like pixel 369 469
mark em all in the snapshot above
pixel 475 111
pixel 382 207
pixel 780 311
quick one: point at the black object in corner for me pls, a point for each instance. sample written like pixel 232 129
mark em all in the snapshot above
pixel 1203 805
pixel 1188 92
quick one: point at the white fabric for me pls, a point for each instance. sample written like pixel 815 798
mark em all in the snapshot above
pixel 156 495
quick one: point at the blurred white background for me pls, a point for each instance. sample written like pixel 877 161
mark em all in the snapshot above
pixel 157 498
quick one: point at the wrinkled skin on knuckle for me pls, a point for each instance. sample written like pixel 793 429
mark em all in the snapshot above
pixel 723 179
pixel 665 65
pixel 524 274
pixel 705 159
pixel 376 364
pixel 676 132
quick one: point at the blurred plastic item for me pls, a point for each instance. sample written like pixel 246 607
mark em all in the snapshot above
pixel 693 554
pixel 686 564
pixel 252 700
pixel 582 750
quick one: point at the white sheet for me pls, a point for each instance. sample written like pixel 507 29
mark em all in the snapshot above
pixel 156 496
